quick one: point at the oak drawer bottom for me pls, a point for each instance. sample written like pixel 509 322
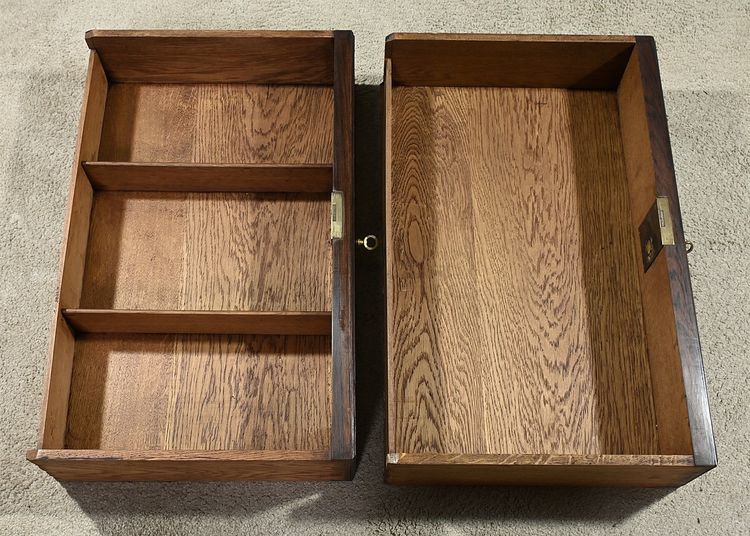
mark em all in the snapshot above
pixel 200 392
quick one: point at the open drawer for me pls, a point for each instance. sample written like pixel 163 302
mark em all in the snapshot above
pixel 205 319
pixel 540 320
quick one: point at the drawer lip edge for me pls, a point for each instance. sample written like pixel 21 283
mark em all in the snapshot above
pixel 45 455
pixel 414 473
pixel 541 460
pixel 488 37
pixel 208 34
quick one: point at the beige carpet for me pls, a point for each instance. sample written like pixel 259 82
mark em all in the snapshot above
pixel 703 49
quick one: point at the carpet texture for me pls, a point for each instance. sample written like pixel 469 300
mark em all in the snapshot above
pixel 703 51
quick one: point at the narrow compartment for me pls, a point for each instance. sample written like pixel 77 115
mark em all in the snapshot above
pixel 208 251
pixel 218 123
pixel 200 392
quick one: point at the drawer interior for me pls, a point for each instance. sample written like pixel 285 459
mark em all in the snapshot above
pixel 218 123
pixel 208 251
pixel 200 392
pixel 515 270
pixel 520 319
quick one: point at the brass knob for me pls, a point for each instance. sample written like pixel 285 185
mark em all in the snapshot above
pixel 369 242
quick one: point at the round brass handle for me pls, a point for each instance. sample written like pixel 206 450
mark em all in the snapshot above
pixel 369 242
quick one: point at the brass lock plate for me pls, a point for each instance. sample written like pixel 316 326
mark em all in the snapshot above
pixel 656 231
pixel 337 215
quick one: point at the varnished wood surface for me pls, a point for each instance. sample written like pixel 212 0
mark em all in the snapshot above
pixel 218 322
pixel 218 123
pixel 583 62
pixel 190 465
pixel 203 257
pixel 515 322
pixel 73 255
pixel 270 57
pixel 218 252
pixel 192 392
pixel 696 392
pixel 658 311
pixel 343 444
pixel 543 470
pixel 176 177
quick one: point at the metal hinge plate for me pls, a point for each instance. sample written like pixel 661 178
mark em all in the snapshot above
pixel 337 215
pixel 656 231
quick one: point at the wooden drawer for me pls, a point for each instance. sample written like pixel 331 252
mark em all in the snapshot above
pixel 205 319
pixel 537 330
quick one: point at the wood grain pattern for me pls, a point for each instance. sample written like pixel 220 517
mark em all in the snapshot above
pixel 215 56
pixel 342 431
pixel 658 312
pixel 57 381
pixel 191 392
pixel 218 123
pixel 610 258
pixel 515 316
pixel 218 252
pixel 222 322
pixel 582 62
pixel 541 470
pixel 118 392
pixel 173 177
pixel 96 465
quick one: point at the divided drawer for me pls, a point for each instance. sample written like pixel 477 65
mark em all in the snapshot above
pixel 204 326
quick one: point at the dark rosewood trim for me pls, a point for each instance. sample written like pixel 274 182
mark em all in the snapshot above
pixel 342 400
pixel 704 449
